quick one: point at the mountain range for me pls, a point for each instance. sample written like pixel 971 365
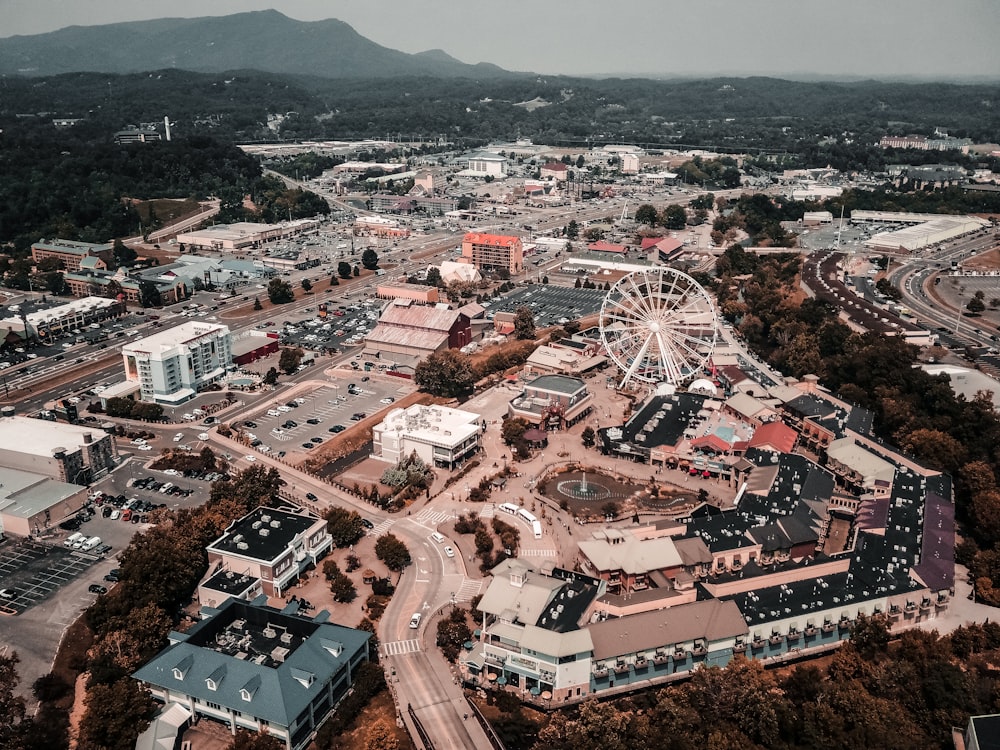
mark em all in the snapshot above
pixel 261 40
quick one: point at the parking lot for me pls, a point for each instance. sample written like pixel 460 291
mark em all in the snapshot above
pixel 323 413
pixel 552 305
pixel 36 571
pixel 343 327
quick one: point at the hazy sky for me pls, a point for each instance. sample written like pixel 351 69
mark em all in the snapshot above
pixel 847 38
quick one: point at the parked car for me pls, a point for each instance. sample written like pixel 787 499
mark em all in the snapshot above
pixel 96 588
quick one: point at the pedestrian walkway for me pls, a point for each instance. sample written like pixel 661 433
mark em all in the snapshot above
pixel 382 528
pixel 467 590
pixel 432 518
pixel 395 648
pixel 537 553
pixel 488 511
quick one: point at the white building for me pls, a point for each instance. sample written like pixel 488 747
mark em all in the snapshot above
pixel 438 435
pixel 64 452
pixel 171 366
pixel 486 164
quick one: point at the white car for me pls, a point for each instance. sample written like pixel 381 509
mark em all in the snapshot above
pixel 449 552
pixel 387 400
pixel 171 472
pixel 284 409
pixel 300 401
pixel 144 447
pixel 188 416
pixel 203 436
pixel 178 437
pixel 250 458
pixel 139 441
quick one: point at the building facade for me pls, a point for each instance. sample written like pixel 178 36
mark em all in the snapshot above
pixel 72 254
pixel 493 252
pixel 272 545
pixel 171 366
pixel 254 667
pixel 552 402
pixel 440 436
pixel 65 452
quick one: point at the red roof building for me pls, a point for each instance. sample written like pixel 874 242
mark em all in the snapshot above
pixel 490 252
pixel 775 436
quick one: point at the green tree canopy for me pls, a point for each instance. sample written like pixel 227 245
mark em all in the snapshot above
pixel 391 550
pixel 445 373
pixel 280 292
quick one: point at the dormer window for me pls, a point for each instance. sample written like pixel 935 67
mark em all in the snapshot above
pixel 215 679
pixel 182 667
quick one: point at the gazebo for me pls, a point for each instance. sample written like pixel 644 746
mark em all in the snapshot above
pixel 536 437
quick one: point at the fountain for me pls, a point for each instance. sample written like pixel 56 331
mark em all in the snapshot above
pixel 581 489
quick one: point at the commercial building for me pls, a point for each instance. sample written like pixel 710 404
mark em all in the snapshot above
pixel 485 164
pixel 173 365
pixel 379 226
pixel 272 545
pixel 244 235
pixel 552 402
pixel 72 254
pixel 406 333
pixel 425 295
pixel 493 252
pixel 440 436
pixel 254 667
pixel 33 504
pixel 64 452
pixel 87 282
pixel 58 319
pixel 253 345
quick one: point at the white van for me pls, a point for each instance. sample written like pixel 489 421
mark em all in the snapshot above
pixel 415 620
pixel 439 538
pixel 73 538
pixel 90 543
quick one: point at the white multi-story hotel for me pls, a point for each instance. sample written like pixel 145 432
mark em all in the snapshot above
pixel 438 435
pixel 171 366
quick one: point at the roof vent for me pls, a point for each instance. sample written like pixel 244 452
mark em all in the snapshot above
pixel 270 632
pixel 264 532
pixel 275 524
pixel 243 546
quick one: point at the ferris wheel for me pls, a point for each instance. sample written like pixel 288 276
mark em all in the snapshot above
pixel 659 326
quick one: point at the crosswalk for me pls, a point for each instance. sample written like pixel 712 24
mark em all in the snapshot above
pixel 467 590
pixel 489 510
pixel 395 648
pixel 382 528
pixel 428 517
pixel 537 553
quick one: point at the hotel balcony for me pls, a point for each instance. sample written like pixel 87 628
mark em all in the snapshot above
pixel 757 643
pixel 739 648
pixel 829 627
pixel 810 631
pixel 793 635
pixel 776 639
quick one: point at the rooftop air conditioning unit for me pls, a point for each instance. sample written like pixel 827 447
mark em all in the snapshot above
pixel 275 524
pixel 243 546
pixel 264 532
pixel 270 632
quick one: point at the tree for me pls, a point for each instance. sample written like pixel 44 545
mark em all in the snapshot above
pixel 280 292
pixel 589 437
pixel 290 359
pixel 573 229
pixel 12 706
pixel 123 254
pixel 344 269
pixel 257 306
pixel 393 552
pixel 434 276
pixel 381 737
pixel 334 281
pixel 975 306
pixel 247 740
pixel 445 373
pixel 271 377
pixel 646 214
pixel 524 323
pixel 513 430
pixel 346 527
pixel 452 632
pixel 116 714
pixel 369 259
pixel 343 589
pixel 307 285
pixel 673 217
pixel 149 294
